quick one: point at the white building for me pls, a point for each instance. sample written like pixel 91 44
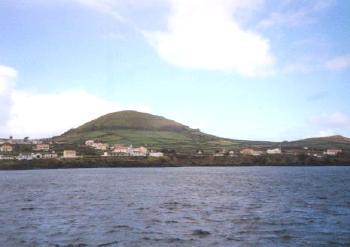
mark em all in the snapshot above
pixel 332 152
pixel 42 147
pixel 100 146
pixel 250 151
pixel 69 154
pixel 156 154
pixel 140 151
pixel 25 156
pixel 4 157
pixel 120 150
pixel 89 142
pixel 6 148
pixel 274 151
pixel 50 156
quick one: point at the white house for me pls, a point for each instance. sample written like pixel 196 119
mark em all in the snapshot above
pixel 25 156
pixel 332 152
pixel 52 155
pixel 6 148
pixel 250 151
pixel 140 151
pixel 89 142
pixel 120 150
pixel 156 154
pixel 69 154
pixel 274 151
pixel 100 146
pixel 42 147
pixel 4 157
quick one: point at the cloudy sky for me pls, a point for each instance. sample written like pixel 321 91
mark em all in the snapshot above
pixel 254 69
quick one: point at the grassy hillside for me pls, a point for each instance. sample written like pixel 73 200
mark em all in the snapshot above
pixel 321 143
pixel 132 127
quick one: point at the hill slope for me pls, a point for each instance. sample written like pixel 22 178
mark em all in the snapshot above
pixel 336 141
pixel 132 127
pixel 137 128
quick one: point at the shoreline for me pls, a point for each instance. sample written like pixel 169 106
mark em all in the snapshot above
pixel 147 162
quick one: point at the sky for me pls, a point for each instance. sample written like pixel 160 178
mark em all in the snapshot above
pixel 256 69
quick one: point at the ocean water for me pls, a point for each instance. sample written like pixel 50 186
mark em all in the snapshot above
pixel 193 206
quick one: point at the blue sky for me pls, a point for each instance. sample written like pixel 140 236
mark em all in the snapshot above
pixel 266 70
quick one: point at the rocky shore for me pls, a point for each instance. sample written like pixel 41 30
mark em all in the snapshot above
pixel 173 161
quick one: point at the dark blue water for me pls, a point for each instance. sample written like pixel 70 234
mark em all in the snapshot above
pixel 239 206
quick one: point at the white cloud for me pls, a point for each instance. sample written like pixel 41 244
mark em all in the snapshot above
pixel 7 77
pixel 338 63
pixel 205 35
pixel 46 114
pixel 39 115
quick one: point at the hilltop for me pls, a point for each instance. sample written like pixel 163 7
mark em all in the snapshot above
pixel 336 141
pixel 137 128
pixel 178 142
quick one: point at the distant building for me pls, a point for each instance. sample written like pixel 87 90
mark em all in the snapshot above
pixel 250 151
pixel 105 154
pixel 120 150
pixel 36 142
pixel 42 147
pixel 317 155
pixel 4 157
pixel 30 156
pixel 96 145
pixel 52 155
pixel 156 154
pixel 25 156
pixel 218 155
pixel 69 154
pixel 140 151
pixel 89 142
pixel 332 152
pixel 100 146
pixel 274 151
pixel 37 156
pixel 231 153
pixel 6 148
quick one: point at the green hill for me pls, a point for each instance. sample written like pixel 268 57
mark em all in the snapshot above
pixel 336 141
pixel 137 128
pixel 132 127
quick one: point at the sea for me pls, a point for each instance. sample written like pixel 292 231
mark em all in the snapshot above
pixel 187 206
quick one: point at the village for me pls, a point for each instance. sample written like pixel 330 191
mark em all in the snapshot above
pixel 25 149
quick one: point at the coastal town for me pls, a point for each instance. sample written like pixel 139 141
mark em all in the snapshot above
pixel 25 149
